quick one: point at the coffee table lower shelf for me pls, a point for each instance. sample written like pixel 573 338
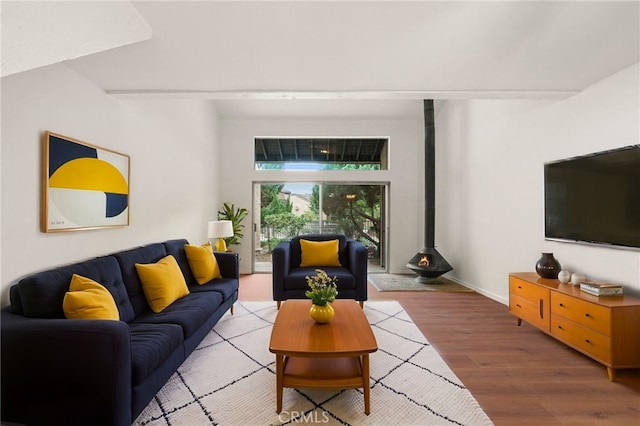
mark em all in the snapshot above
pixel 323 373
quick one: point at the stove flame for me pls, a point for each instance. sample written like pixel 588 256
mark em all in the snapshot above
pixel 424 261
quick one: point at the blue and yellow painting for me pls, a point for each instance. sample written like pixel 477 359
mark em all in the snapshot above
pixel 87 186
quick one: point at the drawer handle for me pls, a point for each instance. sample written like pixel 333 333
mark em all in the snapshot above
pixel 541 308
pixel 518 305
pixel 560 327
pixel 520 287
pixel 588 341
pixel 561 305
pixel 587 315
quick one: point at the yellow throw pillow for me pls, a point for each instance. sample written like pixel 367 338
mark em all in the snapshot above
pixel 319 253
pixel 162 282
pixel 202 262
pixel 87 299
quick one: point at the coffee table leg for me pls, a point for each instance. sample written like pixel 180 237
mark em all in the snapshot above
pixel 279 380
pixel 365 383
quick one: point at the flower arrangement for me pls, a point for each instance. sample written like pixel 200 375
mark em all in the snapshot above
pixel 323 288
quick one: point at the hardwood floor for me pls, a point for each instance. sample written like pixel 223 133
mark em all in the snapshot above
pixel 519 375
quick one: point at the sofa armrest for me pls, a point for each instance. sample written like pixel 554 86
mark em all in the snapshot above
pixel 281 265
pixel 358 262
pixel 64 371
pixel 228 264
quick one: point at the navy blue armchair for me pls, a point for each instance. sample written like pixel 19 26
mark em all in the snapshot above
pixel 289 278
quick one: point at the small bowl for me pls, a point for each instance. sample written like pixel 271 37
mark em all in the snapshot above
pixel 576 279
pixel 564 276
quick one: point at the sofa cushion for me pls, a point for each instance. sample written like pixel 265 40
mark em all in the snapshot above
pixel 296 280
pixel 176 249
pixel 319 253
pixel 225 286
pixel 162 282
pixel 41 294
pixel 127 260
pixel 87 299
pixel 203 263
pixel 296 251
pixel 190 312
pixel 151 345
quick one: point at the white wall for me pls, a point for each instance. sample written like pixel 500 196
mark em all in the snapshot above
pixel 405 172
pixel 185 163
pixel 173 150
pixel 490 175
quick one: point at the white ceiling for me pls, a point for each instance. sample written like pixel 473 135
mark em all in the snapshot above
pixel 377 57
pixel 36 34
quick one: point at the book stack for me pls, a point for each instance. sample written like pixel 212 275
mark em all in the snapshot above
pixel 601 288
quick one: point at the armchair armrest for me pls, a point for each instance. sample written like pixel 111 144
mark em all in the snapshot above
pixel 228 264
pixel 358 261
pixel 281 264
pixel 65 371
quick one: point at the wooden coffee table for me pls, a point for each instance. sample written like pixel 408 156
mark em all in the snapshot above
pixel 324 356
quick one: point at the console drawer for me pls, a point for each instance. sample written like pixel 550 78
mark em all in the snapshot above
pixel 585 313
pixel 585 339
pixel 526 290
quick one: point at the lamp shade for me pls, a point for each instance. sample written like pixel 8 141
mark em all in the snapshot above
pixel 220 229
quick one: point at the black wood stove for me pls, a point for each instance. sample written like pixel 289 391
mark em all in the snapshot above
pixel 428 263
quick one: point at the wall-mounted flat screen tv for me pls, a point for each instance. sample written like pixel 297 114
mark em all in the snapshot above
pixel 594 198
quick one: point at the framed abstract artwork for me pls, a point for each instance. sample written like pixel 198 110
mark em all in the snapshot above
pixel 84 186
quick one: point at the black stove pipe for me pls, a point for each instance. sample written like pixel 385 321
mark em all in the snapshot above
pixel 430 173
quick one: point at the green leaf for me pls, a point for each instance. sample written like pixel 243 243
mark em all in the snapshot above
pixel 236 216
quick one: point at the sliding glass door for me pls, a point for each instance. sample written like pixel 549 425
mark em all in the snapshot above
pixel 285 209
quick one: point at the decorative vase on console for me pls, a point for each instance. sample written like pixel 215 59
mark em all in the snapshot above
pixel 548 266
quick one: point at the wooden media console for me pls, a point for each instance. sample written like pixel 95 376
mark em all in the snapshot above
pixel 605 328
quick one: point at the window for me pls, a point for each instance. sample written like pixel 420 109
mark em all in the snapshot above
pixel 287 207
pixel 321 153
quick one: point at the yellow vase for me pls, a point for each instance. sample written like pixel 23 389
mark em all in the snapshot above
pixel 321 314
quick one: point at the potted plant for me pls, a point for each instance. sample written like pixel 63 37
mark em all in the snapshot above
pixel 236 216
pixel 322 292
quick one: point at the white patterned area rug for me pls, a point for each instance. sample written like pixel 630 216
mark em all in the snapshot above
pixel 230 380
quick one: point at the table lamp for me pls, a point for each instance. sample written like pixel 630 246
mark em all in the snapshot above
pixel 220 229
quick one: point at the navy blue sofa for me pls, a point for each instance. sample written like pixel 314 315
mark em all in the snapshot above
pixel 57 371
pixel 288 278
